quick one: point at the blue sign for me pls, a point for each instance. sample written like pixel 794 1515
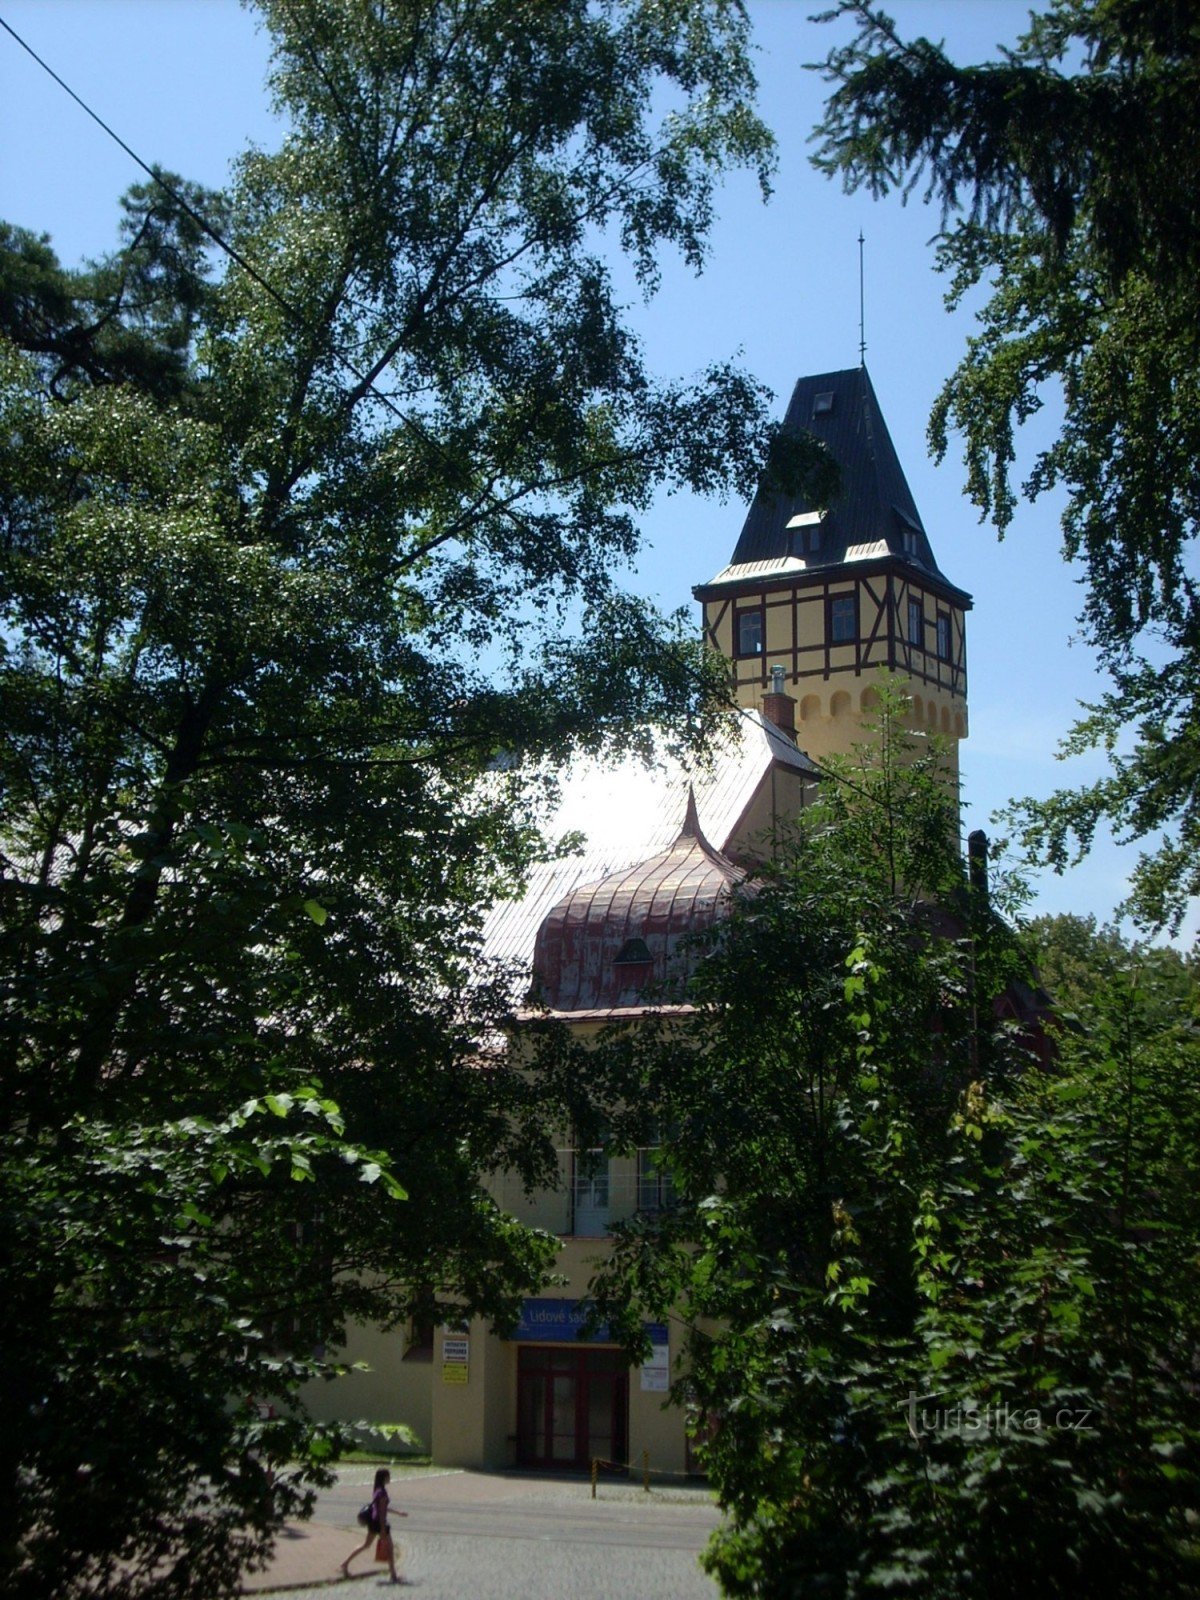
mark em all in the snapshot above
pixel 562 1322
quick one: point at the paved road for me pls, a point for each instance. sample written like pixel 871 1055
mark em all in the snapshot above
pixel 484 1536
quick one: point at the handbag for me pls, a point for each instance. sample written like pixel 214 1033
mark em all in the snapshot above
pixel 383 1546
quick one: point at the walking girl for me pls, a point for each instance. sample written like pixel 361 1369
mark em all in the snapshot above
pixel 378 1528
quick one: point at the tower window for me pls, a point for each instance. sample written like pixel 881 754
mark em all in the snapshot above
pixel 943 636
pixel 748 632
pixel 916 623
pixel 823 403
pixel 843 619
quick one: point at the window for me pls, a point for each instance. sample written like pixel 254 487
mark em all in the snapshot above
pixel 916 623
pixel 843 619
pixel 656 1187
pixel 418 1343
pixel 590 1194
pixel 823 404
pixel 943 636
pixel 748 627
pixel 805 528
pixel 910 534
pixel 633 953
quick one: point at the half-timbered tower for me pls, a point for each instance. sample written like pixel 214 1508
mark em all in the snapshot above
pixel 817 600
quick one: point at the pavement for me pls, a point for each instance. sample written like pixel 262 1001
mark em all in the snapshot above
pixel 503 1536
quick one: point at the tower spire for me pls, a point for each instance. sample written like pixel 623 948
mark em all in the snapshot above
pixel 862 326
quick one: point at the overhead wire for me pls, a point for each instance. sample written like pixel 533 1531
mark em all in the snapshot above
pixel 301 321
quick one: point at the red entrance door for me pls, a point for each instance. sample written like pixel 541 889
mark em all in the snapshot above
pixel 572 1407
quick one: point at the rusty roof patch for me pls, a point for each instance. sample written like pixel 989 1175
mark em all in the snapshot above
pixel 663 902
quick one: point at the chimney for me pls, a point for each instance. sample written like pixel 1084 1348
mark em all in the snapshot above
pixel 977 863
pixel 778 707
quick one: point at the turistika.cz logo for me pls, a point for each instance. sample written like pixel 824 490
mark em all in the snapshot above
pixel 929 1414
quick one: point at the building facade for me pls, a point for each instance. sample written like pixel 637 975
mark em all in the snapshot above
pixel 814 603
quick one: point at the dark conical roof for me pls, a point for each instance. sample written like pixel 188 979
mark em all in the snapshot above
pixel 873 515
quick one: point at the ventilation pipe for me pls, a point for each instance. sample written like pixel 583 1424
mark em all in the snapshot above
pixel 778 707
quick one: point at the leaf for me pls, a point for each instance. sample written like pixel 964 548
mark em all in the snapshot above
pixel 317 912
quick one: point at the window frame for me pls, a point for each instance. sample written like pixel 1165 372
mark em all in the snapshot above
pixel 757 610
pixel 655 1186
pixel 945 637
pixel 834 602
pixel 916 612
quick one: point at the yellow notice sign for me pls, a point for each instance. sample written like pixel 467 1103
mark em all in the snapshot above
pixel 454 1372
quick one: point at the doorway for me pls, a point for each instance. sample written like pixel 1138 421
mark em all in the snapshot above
pixel 572 1407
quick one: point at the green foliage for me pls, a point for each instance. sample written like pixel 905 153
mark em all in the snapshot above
pixel 1076 961
pixel 940 1304
pixel 290 539
pixel 1081 222
pixel 147 1264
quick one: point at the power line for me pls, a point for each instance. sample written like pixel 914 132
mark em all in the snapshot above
pixel 301 322
pixel 156 176
pixel 367 383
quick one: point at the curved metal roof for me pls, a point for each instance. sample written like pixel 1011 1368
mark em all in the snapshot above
pixel 587 947
pixel 628 813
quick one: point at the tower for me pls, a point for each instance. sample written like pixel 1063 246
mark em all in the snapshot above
pixel 832 595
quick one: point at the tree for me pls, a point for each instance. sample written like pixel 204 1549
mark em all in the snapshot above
pixel 939 1305
pixel 805 1107
pixel 300 493
pixel 1077 962
pixel 1061 191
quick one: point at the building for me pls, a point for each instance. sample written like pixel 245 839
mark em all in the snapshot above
pixel 813 604
pixel 818 600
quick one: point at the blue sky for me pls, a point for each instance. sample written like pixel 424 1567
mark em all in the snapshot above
pixel 181 81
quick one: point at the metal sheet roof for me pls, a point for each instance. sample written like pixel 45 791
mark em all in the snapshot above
pixel 625 935
pixel 629 811
pixel 874 508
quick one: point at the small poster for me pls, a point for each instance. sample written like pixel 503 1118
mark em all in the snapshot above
pixel 656 1373
pixel 454 1372
pixel 456 1350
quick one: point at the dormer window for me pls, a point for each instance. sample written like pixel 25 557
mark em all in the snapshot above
pixel 633 953
pixel 823 404
pixel 805 529
pixel 910 534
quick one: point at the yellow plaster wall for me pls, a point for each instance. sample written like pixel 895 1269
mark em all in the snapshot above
pixel 459 1409
pixel 781 796
pixel 390 1390
pixel 655 1426
pixel 831 684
